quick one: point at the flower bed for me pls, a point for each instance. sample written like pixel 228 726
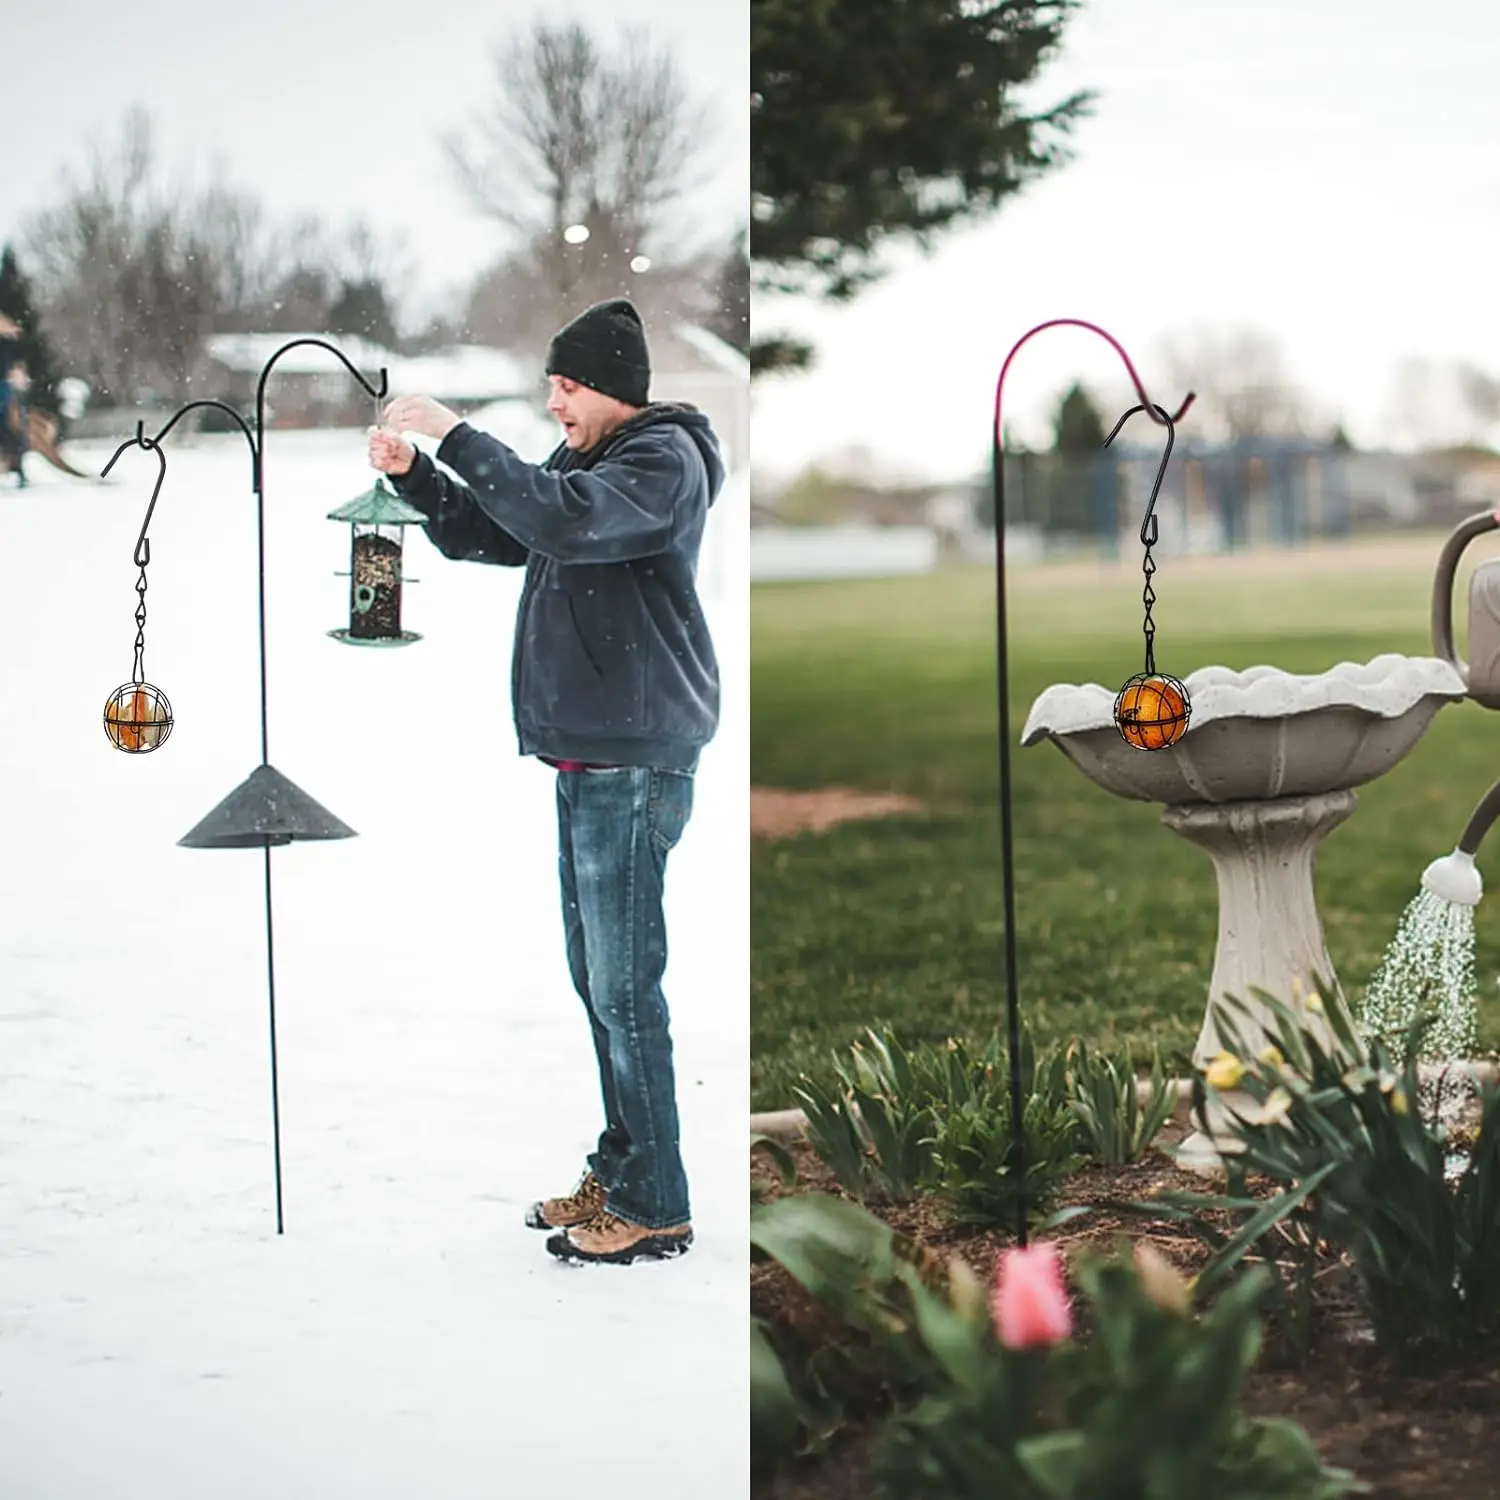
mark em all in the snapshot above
pixel 1413 1414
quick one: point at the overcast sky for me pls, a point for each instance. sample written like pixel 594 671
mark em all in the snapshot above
pixel 330 105
pixel 1325 170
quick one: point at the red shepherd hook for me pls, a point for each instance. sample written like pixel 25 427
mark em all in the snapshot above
pixel 1007 840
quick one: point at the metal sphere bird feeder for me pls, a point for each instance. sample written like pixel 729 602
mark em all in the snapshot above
pixel 1152 709
pixel 376 520
pixel 137 717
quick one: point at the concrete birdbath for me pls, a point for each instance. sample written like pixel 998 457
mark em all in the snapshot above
pixel 1266 770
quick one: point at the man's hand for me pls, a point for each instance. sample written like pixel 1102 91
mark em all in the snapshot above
pixel 389 453
pixel 421 414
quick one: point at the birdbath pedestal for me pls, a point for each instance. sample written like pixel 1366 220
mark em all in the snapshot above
pixel 1270 934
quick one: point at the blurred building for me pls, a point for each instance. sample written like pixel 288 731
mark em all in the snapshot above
pixel 688 363
pixel 309 387
pixel 1255 494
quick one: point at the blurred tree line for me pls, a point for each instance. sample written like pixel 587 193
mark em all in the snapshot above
pixel 123 279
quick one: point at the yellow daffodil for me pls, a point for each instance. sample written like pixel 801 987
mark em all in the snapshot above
pixel 1272 1057
pixel 966 1291
pixel 1225 1071
pixel 1314 1003
pixel 1160 1279
pixel 1276 1108
pixel 1398 1102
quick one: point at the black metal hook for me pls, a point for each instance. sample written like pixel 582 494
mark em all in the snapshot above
pixel 140 440
pixel 1159 415
pixel 182 411
pixel 265 375
pixel 142 553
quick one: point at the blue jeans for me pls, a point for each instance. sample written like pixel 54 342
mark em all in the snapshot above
pixel 615 829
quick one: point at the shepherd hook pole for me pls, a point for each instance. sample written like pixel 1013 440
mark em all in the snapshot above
pixel 1002 668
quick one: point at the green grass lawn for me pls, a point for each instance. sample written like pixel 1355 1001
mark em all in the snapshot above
pixel 890 686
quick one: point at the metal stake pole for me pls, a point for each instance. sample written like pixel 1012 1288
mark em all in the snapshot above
pixel 271 994
pixel 1002 674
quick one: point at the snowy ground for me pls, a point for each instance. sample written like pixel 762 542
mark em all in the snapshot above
pixel 408 1336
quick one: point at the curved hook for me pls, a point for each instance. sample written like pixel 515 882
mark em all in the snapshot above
pixel 182 411
pixel 265 375
pixel 260 389
pixel 1147 404
pixel 1148 521
pixel 140 440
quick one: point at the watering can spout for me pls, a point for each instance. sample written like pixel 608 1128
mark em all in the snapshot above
pixel 1481 673
pixel 1454 878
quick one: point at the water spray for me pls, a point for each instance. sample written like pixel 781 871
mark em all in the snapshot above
pixel 1428 970
pixel 1429 967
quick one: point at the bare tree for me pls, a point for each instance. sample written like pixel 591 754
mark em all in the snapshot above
pixel 519 303
pixel 1242 386
pixel 585 156
pixel 1478 399
pixel 76 249
pixel 136 273
pixel 1441 405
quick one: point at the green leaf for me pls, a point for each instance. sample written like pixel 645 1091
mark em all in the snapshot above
pixel 774 1414
pixel 786 1165
pixel 957 1346
pixel 1270 1213
pixel 827 1245
pixel 1055 1462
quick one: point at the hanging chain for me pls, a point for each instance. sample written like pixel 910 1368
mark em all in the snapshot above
pixel 1148 598
pixel 138 674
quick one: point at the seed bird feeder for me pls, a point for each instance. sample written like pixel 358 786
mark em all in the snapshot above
pixel 267 810
pixel 376 520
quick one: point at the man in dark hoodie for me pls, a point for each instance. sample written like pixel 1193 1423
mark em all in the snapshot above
pixel 615 684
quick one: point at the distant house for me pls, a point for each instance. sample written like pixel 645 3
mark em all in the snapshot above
pixel 1468 479
pixel 466 376
pixel 688 363
pixel 309 387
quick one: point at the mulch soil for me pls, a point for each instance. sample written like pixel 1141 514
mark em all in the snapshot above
pixel 1407 1431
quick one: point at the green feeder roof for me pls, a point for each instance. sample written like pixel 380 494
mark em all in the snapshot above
pixel 380 506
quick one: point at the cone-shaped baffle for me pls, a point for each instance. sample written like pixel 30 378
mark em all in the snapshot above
pixel 379 506
pixel 265 809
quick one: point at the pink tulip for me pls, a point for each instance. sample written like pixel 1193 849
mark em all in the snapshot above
pixel 1030 1300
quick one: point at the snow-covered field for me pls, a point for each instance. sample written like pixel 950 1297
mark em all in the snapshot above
pixel 408 1336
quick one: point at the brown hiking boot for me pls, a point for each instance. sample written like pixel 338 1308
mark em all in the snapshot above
pixel 576 1207
pixel 608 1239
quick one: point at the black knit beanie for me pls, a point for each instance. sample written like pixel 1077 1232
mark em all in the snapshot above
pixel 604 348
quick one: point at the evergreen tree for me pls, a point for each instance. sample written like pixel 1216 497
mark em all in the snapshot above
pixel 362 309
pixel 1078 426
pixel 36 352
pixel 1081 489
pixel 880 120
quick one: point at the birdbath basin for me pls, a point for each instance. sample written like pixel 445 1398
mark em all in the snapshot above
pixel 1266 770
